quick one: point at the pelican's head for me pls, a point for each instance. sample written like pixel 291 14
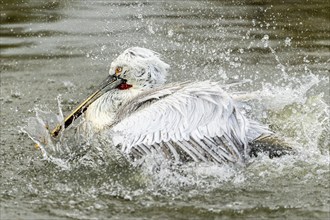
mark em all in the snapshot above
pixel 141 67
pixel 136 66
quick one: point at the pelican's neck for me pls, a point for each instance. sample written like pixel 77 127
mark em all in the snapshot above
pixel 101 113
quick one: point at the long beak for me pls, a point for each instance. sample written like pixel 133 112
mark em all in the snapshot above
pixel 109 83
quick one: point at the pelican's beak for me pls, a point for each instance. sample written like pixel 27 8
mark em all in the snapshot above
pixel 109 83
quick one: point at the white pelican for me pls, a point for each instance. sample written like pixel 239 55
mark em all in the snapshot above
pixel 196 121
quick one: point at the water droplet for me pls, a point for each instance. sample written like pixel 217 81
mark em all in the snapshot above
pixel 265 40
pixel 150 29
pixel 170 33
pixel 287 41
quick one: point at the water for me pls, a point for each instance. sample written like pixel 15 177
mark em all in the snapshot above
pixel 279 50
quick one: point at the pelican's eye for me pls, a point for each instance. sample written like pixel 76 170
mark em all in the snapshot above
pixel 119 70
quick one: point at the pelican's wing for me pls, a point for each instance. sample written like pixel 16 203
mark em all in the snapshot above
pixel 197 121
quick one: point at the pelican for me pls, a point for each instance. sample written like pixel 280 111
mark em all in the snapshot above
pixel 185 121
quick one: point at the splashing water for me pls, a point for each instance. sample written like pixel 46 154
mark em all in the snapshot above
pixel 302 120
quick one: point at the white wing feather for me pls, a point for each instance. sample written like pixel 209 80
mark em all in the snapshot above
pixel 199 120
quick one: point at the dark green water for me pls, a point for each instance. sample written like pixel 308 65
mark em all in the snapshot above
pixel 282 50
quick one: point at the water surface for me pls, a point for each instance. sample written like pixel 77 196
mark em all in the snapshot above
pixel 280 50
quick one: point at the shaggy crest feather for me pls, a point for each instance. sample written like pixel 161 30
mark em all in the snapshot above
pixel 145 66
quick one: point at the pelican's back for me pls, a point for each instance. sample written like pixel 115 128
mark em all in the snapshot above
pixel 185 121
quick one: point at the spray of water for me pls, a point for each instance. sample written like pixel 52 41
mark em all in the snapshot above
pixel 300 119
